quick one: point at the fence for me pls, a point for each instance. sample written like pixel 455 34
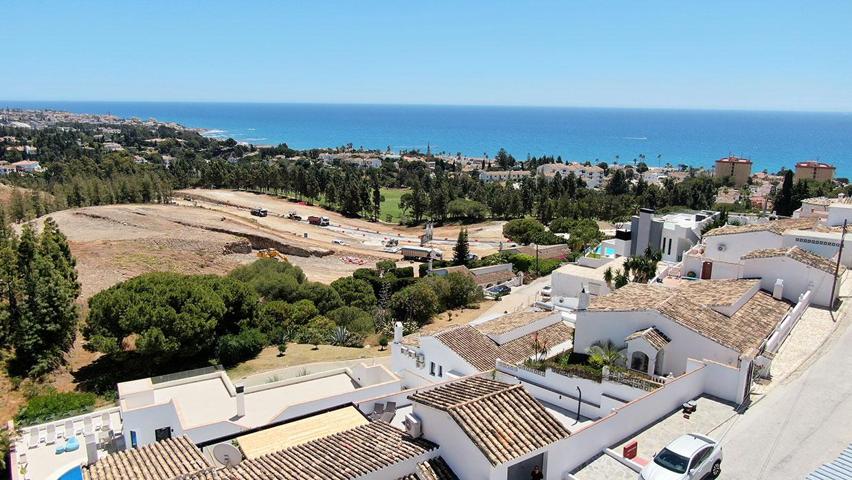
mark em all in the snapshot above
pixel 786 326
pixel 186 374
pixel 635 380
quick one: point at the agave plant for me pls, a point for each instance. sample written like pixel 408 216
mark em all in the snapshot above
pixel 341 337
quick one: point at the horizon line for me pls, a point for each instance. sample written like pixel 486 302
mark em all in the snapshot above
pixel 473 105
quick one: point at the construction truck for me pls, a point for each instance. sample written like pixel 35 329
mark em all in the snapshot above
pixel 271 253
pixel 321 221
pixel 292 215
pixel 259 212
pixel 420 254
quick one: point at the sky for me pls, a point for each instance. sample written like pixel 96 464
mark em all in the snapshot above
pixel 721 54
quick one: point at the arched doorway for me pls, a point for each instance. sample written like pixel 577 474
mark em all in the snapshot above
pixel 639 361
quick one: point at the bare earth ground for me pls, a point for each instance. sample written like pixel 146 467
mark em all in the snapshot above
pixel 118 242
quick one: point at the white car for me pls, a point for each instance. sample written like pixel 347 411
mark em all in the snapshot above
pixel 689 457
pixel 546 291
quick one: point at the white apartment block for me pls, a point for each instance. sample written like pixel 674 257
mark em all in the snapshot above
pixel 591 174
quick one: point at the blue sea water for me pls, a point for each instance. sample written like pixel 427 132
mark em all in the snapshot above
pixel 694 137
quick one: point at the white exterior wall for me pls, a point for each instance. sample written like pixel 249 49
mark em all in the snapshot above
pixel 567 285
pixel 837 213
pixel 738 244
pixel 433 351
pixel 823 244
pixel 460 453
pixel 145 420
pixel 592 327
pixel 798 278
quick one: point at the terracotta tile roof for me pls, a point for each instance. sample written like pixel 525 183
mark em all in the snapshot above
pixel 471 345
pixel 520 349
pixel 165 460
pixel 511 321
pixel 742 332
pixel 507 424
pixel 481 352
pixel 718 292
pixel 432 469
pixel 494 278
pixel 800 255
pixel 777 227
pixel 460 391
pixel 342 456
pixel 656 338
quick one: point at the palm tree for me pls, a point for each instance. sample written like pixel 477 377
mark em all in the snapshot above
pixel 606 354
pixel 607 275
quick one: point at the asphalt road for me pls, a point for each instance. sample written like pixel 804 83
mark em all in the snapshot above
pixel 802 423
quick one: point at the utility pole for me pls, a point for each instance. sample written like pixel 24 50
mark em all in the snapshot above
pixel 837 266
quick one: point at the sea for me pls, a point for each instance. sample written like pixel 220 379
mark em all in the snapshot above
pixel 693 137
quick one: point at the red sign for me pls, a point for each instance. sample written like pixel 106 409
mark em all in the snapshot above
pixel 630 450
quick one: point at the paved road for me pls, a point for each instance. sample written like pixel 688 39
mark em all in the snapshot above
pixel 801 424
pixel 520 298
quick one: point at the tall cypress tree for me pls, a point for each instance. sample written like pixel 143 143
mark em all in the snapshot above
pixel 784 199
pixel 462 248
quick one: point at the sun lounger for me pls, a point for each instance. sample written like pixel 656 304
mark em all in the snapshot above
pixel 390 407
pixel 88 426
pixel 387 417
pixel 50 434
pixel 69 429
pixel 33 439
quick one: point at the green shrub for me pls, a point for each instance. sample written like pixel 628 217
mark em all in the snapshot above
pixel 54 404
pixel 233 349
pixel 346 316
pixel 417 304
pixel 404 272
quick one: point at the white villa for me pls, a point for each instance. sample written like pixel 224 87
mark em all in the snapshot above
pixel 422 359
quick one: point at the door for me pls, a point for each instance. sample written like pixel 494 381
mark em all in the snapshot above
pixel 706 270
pixel 700 466
pixel 747 393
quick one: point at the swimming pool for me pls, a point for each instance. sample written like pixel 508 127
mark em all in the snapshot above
pixel 605 251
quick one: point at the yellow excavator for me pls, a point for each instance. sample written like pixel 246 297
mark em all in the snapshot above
pixel 271 253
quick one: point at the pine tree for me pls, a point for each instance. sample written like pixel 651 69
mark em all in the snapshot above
pixel 462 248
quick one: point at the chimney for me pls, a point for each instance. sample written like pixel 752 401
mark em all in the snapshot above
pixel 397 332
pixel 241 400
pixel 778 290
pixel 583 300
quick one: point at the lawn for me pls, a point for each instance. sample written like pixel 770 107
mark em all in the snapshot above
pixel 390 203
pixel 300 354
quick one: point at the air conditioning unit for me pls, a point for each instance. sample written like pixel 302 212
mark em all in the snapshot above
pixel 722 247
pixel 421 360
pixel 413 426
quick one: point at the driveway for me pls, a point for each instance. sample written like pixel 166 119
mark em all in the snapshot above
pixel 520 298
pixel 802 423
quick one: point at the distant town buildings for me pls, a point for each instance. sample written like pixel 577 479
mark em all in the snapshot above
pixel 503 175
pixel 814 170
pixel 738 169
pixel 591 174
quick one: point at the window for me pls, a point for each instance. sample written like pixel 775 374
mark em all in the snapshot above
pixel 700 457
pixel 432 368
pixel 440 371
pixel 164 433
pixel 133 441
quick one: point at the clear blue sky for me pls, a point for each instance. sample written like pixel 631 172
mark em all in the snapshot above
pixel 788 55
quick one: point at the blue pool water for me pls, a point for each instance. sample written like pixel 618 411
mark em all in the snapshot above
pixel 607 252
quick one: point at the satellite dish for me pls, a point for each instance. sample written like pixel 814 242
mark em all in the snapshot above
pixel 722 247
pixel 227 454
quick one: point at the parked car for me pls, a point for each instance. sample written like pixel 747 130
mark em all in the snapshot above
pixel 338 242
pixel 259 212
pixel 546 291
pixel 689 457
pixel 499 290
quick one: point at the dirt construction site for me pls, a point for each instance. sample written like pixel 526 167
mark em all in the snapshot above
pixel 213 231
